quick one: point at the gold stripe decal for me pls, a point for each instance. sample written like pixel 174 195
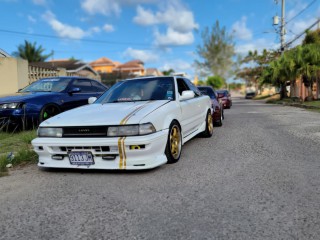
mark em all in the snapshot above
pixel 121 146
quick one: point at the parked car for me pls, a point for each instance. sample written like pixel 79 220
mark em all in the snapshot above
pixel 225 97
pixel 139 123
pixel 218 114
pixel 46 98
pixel 250 95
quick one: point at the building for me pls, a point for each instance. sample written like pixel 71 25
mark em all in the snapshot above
pixel 153 72
pixel 132 68
pixel 3 53
pixel 72 67
pixel 104 65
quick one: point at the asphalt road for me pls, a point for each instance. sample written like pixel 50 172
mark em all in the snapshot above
pixel 256 178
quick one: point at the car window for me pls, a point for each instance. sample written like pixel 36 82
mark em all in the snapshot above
pixel 140 90
pixel 193 87
pixel 98 87
pixel 84 85
pixel 48 85
pixel 182 86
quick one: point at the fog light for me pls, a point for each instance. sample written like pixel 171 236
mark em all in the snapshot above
pixel 57 157
pixel 109 157
pixel 136 147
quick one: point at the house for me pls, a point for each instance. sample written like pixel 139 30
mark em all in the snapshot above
pixel 131 69
pixel 3 53
pixel 301 91
pixel 72 67
pixel 153 72
pixel 104 65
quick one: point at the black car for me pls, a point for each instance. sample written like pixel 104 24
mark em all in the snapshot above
pixel 46 98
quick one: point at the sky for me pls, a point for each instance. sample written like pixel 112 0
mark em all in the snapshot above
pixel 163 34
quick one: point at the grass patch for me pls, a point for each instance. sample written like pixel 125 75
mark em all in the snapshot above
pixel 312 103
pixel 19 144
pixel 273 99
pixel 261 97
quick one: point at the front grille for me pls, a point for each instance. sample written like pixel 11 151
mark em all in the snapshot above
pixel 96 131
pixel 94 149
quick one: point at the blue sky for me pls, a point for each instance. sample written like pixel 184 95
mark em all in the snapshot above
pixel 162 33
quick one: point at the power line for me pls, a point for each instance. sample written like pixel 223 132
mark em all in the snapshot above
pixel 299 13
pixel 301 34
pixel 69 38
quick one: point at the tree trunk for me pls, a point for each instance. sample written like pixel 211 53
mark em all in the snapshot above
pixel 283 91
pixel 293 88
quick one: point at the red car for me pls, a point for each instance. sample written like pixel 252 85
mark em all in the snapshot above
pixel 217 106
pixel 225 97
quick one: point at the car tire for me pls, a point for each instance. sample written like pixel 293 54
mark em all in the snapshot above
pixel 219 123
pixel 48 111
pixel 209 126
pixel 174 143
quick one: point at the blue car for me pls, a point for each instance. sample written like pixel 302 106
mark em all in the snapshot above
pixel 45 98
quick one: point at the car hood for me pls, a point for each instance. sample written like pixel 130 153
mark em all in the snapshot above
pixel 105 114
pixel 21 97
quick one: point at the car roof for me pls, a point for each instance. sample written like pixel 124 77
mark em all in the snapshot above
pixel 147 77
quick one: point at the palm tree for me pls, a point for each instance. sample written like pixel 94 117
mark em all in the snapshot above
pixel 308 62
pixel 32 53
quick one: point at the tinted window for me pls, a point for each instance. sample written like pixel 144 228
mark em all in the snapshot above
pixel 193 88
pixel 83 84
pixel 207 91
pixel 98 87
pixel 182 86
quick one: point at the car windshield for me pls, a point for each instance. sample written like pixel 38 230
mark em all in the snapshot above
pixel 225 93
pixel 47 85
pixel 207 91
pixel 140 90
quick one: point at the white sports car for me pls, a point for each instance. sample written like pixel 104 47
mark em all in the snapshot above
pixel 137 124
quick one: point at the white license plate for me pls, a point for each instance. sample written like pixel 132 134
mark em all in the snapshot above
pixel 81 158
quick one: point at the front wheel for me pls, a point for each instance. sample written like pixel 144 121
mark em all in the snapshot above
pixel 48 112
pixel 174 143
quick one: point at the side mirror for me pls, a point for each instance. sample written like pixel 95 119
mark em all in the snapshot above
pixel 74 90
pixel 187 95
pixel 92 100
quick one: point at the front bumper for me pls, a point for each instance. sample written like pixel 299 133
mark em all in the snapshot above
pixel 125 150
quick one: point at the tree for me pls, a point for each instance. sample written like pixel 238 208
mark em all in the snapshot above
pixel 216 81
pixel 312 37
pixel 216 51
pixel 168 72
pixel 32 53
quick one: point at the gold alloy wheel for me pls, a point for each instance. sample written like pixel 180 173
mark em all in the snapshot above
pixel 210 123
pixel 175 142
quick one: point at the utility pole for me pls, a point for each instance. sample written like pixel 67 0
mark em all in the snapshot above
pixel 282 27
pixel 282 24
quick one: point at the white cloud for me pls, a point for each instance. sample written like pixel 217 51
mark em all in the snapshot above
pixel 178 65
pixel 65 30
pixel 40 2
pixel 108 28
pixel 173 38
pixel 176 17
pixel 258 44
pixel 31 19
pixel 143 55
pixel 109 7
pixel 241 31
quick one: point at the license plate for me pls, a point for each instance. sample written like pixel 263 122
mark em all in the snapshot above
pixel 81 158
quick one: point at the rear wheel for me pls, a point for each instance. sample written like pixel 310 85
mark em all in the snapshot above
pixel 174 143
pixel 48 112
pixel 209 126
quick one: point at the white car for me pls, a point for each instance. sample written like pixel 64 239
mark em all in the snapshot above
pixel 137 124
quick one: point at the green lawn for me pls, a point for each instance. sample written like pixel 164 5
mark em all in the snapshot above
pixel 19 144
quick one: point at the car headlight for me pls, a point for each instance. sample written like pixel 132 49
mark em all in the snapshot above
pixel 50 132
pixel 131 130
pixel 9 105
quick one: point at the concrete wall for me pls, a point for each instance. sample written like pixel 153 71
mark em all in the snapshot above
pixel 13 75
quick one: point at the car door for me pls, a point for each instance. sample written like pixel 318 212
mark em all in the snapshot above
pixel 189 110
pixel 78 99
